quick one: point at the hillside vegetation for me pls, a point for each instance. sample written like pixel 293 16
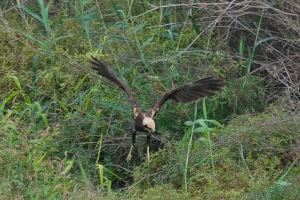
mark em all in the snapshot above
pixel 65 132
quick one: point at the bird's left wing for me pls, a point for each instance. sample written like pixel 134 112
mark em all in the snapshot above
pixel 188 93
pixel 104 71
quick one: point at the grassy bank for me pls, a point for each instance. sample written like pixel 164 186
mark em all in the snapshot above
pixel 65 132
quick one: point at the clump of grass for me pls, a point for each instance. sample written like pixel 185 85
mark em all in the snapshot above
pixel 28 168
pixel 247 158
pixel 163 191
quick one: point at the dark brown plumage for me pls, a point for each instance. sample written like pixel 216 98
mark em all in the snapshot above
pixel 104 71
pixel 143 121
pixel 188 93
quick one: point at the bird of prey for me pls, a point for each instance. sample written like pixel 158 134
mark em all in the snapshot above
pixel 144 121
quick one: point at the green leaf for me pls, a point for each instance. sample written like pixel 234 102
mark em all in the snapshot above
pixel 262 41
pixel 283 183
pixel 45 18
pixel 200 130
pixel 203 139
pixel 242 46
pixel 68 167
pixel 35 16
pixel 188 123
pixel 147 42
pixel 17 82
pixel 7 99
pixel 187 135
pixel 214 122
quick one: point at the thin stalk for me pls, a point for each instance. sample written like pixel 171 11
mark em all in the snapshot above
pixel 86 27
pixel 180 38
pixel 254 46
pixel 101 15
pixel 160 19
pixel 101 139
pixel 253 50
pixel 189 150
pixel 210 153
pixel 137 42
pixel 99 149
pixel 208 136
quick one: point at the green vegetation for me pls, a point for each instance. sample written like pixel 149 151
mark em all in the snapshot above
pixel 64 132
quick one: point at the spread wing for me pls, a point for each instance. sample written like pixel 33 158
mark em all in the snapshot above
pixel 104 71
pixel 188 93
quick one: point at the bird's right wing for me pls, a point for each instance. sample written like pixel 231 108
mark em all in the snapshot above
pixel 104 71
pixel 188 93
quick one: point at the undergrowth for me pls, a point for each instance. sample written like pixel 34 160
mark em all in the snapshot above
pixel 249 161
pixel 65 132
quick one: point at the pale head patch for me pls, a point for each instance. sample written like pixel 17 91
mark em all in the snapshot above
pixel 149 122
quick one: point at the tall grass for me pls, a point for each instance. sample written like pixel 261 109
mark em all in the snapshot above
pixel 43 19
pixel 65 132
pixel 203 127
pixel 188 151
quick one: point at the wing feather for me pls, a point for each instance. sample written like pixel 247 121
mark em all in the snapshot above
pixel 189 92
pixel 104 71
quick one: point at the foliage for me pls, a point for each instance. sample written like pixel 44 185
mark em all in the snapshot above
pixel 248 159
pixel 62 128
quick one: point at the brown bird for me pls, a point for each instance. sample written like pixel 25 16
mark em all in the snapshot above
pixel 143 121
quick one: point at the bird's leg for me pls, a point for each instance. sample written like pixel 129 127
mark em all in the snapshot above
pixel 148 146
pixel 133 134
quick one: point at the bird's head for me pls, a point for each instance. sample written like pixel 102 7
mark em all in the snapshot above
pixel 149 124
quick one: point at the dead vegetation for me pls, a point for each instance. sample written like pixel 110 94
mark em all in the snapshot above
pixel 270 34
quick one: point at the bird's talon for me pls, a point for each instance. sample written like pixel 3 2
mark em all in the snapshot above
pixel 129 156
pixel 148 154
